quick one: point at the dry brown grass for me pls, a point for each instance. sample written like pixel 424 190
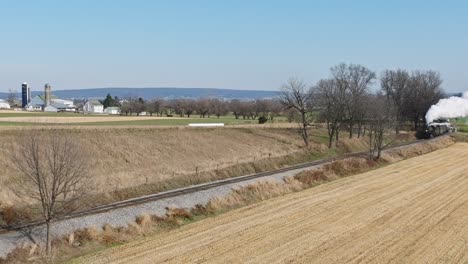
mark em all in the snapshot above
pixel 19 255
pixel 10 215
pixel 265 190
pixel 460 137
pixel 138 158
pixel 416 150
pixel 252 193
pixel 132 162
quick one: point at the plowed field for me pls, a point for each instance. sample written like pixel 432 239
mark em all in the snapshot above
pixel 415 211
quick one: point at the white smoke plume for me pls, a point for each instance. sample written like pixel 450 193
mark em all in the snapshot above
pixel 449 108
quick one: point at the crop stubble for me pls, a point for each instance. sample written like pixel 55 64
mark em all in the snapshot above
pixel 414 211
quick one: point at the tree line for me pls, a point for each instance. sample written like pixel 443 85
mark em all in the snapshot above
pixel 204 107
pixel 345 102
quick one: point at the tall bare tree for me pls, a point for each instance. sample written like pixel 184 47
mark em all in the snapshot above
pixel 359 80
pixel 395 84
pixel 53 170
pixel 425 91
pixel 381 120
pixel 332 100
pixel 296 95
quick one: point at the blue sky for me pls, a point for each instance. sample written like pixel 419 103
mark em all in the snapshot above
pixel 224 44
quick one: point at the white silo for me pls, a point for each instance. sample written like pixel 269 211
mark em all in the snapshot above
pixel 47 91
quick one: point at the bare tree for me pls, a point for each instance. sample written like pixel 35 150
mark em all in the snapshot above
pixel 203 107
pixel 235 107
pixel 425 91
pixel 189 107
pixel 12 97
pixel 359 79
pixel 162 105
pixel 332 100
pixel 296 95
pixel 52 169
pixel 396 86
pixel 218 107
pixel 130 105
pixel 139 105
pixel 153 106
pixel 275 109
pixel 178 106
pixel 381 120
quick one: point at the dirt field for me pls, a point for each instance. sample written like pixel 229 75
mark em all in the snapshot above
pixel 415 211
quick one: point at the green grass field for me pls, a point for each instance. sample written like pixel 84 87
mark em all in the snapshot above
pixel 119 121
pixel 462 124
pixel 171 122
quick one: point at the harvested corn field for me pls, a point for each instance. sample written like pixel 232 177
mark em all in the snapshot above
pixel 415 211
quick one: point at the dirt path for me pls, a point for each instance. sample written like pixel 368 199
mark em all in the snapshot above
pixel 415 211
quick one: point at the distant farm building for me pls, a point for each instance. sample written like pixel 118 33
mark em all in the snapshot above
pixel 112 110
pixel 45 102
pixel 37 103
pixel 4 104
pixel 93 107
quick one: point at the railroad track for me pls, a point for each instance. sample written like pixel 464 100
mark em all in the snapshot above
pixel 196 188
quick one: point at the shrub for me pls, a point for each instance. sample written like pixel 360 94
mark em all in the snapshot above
pixel 9 215
pixel 201 210
pixel 87 234
pixel 312 177
pixel 178 213
pixel 144 220
pixel 262 120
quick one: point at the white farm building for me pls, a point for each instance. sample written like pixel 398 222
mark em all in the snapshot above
pixel 37 103
pixel 112 110
pixel 4 104
pixel 93 107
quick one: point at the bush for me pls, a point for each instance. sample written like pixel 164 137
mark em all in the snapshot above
pixel 262 120
pixel 9 215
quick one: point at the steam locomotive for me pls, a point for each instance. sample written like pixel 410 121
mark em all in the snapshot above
pixel 436 128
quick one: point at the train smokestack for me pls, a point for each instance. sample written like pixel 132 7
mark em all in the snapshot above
pixel 47 91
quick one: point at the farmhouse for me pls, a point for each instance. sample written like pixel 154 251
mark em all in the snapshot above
pixel 93 107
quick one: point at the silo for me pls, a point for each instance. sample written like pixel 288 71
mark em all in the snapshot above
pixel 25 94
pixel 47 90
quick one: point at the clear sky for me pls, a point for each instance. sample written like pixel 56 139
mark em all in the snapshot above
pixel 238 44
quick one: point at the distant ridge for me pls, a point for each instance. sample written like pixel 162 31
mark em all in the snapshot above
pixel 162 92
